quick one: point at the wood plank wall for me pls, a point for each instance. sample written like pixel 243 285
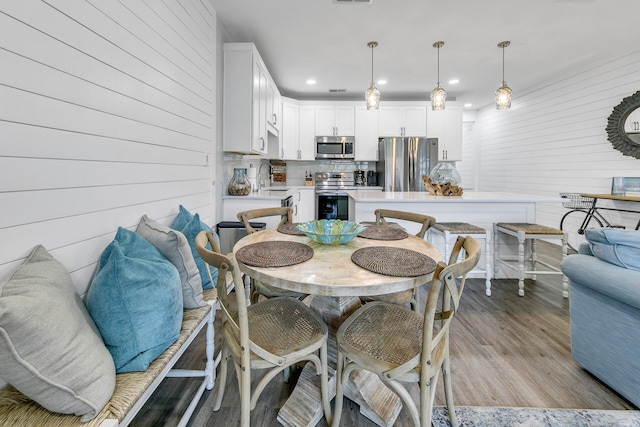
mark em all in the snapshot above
pixel 553 138
pixel 106 113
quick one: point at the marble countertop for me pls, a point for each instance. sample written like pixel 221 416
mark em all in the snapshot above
pixel 467 197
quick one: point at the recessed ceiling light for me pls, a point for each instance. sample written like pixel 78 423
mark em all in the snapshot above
pixel 311 82
pixel 454 81
pixel 382 82
pixel 468 105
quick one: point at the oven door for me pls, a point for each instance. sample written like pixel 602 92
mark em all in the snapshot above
pixel 332 205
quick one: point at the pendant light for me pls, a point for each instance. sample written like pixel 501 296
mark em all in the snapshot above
pixel 438 95
pixel 503 93
pixel 372 95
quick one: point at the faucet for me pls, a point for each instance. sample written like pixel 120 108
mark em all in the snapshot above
pixel 260 180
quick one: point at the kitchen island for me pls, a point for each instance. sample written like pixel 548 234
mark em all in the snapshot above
pixel 476 207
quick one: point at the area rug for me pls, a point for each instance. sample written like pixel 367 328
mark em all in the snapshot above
pixel 471 416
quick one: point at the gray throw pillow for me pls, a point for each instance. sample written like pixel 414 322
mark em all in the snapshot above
pixel 173 245
pixel 50 348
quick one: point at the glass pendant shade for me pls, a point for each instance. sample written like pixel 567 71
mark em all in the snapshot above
pixel 438 98
pixel 372 95
pixel 503 93
pixel 438 95
pixel 503 97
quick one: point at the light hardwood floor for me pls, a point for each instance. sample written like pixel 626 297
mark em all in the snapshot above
pixel 505 350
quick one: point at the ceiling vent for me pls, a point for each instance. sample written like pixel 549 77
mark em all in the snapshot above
pixel 354 1
pixel 337 90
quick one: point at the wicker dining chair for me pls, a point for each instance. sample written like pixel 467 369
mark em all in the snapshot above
pixel 400 345
pixel 272 335
pixel 409 296
pixel 258 288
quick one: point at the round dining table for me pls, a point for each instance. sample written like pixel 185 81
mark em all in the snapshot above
pixel 335 282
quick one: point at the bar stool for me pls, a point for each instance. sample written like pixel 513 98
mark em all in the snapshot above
pixel 450 232
pixel 528 232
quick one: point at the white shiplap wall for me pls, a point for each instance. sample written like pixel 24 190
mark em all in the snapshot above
pixel 553 138
pixel 106 113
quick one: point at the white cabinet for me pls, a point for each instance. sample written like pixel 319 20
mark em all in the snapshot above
pixel 297 131
pixel 247 100
pixel 307 136
pixel 405 120
pixel 290 132
pixel 334 120
pixel 304 201
pixel 446 125
pixel 366 145
pixel 273 112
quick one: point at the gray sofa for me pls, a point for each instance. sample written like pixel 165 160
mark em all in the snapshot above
pixel 605 320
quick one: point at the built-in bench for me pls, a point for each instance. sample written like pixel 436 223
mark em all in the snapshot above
pixel 132 389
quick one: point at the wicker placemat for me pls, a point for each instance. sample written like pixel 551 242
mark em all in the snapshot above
pixel 383 232
pixel 290 228
pixel 274 253
pixel 393 261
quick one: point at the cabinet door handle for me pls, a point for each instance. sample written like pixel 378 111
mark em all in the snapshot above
pixel 282 153
pixel 295 210
pixel 298 197
pixel 275 118
pixel 261 143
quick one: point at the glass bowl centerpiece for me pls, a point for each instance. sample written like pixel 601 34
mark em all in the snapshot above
pixel 330 231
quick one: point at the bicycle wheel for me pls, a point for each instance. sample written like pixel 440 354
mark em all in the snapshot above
pixel 571 223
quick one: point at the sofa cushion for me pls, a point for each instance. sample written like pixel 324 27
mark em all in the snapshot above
pixel 50 349
pixel 619 247
pixel 190 225
pixel 135 299
pixel 173 245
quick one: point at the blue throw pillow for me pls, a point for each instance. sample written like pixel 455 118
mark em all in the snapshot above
pixel 619 247
pixel 190 225
pixel 135 300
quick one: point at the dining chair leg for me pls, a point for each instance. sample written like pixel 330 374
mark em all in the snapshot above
pixel 337 408
pixel 448 391
pixel 324 386
pixel 245 395
pixel 222 377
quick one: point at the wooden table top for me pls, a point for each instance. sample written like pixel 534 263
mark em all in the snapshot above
pixel 331 272
pixel 613 197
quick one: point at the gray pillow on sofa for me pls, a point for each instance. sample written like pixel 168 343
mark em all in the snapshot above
pixel 174 246
pixel 50 349
pixel 618 247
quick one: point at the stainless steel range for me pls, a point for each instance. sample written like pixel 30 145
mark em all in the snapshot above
pixel 331 199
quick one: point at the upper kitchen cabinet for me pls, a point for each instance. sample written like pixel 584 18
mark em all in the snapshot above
pixel 446 125
pixel 402 120
pixel 297 131
pixel 250 101
pixel 334 120
pixel 366 145
pixel 274 108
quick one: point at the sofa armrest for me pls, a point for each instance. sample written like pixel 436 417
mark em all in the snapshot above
pixel 616 282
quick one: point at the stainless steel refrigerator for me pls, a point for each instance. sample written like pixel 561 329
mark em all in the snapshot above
pixel 403 161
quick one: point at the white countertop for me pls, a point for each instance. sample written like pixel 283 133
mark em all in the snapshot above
pixel 467 197
pixel 272 193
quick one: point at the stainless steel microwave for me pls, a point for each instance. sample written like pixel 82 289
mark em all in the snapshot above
pixel 334 147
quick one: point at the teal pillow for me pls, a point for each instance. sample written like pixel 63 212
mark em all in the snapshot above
pixel 135 300
pixel 190 225
pixel 618 247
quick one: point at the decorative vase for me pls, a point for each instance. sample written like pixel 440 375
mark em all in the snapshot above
pixel 239 184
pixel 445 173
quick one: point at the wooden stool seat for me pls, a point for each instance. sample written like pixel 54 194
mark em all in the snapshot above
pixel 529 228
pixel 450 232
pixel 527 232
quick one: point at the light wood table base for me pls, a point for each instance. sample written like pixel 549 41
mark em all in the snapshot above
pixel 304 407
